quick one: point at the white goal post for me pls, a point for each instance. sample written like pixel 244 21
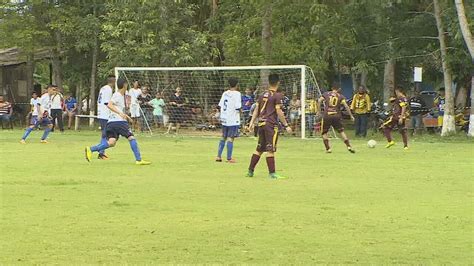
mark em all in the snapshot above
pixel 204 85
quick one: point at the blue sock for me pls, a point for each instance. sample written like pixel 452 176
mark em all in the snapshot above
pixel 100 147
pixel 27 132
pixel 230 148
pixel 221 148
pixel 46 133
pixel 104 142
pixel 136 151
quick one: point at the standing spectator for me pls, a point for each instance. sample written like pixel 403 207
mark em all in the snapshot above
pixel 71 109
pixel 176 104
pixel 285 104
pixel 6 111
pixel 361 108
pixel 158 103
pixel 57 101
pixel 310 113
pixel 134 93
pixel 247 101
pixel 295 112
pixel 147 110
pixel 417 109
pixel 439 103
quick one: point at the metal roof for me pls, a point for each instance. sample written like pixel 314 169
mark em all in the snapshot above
pixel 14 56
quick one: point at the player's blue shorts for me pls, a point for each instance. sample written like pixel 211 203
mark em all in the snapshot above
pixel 35 121
pixel 230 131
pixel 118 128
pixel 103 126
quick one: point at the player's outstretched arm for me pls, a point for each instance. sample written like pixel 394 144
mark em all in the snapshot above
pixel 348 110
pixel 114 109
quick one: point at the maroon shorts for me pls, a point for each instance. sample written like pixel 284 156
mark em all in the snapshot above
pixel 334 121
pixel 267 138
pixel 392 122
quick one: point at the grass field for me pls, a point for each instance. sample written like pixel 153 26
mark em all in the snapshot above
pixel 376 206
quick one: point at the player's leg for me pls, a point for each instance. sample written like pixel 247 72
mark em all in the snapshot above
pixel 233 133
pixel 346 141
pixel 103 139
pixel 33 124
pixel 337 125
pixel 326 125
pixel 258 152
pixel 404 132
pixel 387 131
pixel 48 127
pixel 221 146
pixel 60 120
pixel 272 140
pixel 178 125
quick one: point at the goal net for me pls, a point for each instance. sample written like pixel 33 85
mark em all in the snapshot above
pixel 194 110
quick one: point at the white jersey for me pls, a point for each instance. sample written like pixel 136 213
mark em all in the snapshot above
pixel 134 94
pixel 105 94
pixel 34 103
pixel 230 105
pixel 56 101
pixel 45 102
pixel 118 100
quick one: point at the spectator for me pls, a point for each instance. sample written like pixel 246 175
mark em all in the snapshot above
pixel 144 101
pixel 310 113
pixel 71 109
pixel 417 109
pixel 214 117
pixel 57 101
pixel 176 107
pixel 285 104
pixel 439 103
pixel 6 112
pixel 295 112
pixel 361 106
pixel 133 94
pixel 158 103
pixel 247 101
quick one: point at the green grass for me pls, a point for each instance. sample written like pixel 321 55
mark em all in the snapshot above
pixel 376 206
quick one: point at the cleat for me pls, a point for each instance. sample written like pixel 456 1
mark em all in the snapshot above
pixel 406 148
pixel 231 160
pixel 218 159
pixel 249 174
pixel 390 144
pixel 102 157
pixel 22 141
pixel 142 162
pixel 351 150
pixel 329 151
pixel 88 154
pixel 277 176
pixel 44 141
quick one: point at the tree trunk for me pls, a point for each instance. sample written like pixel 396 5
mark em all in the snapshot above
pixel 56 60
pixel 461 97
pixel 388 80
pixel 449 126
pixel 470 133
pixel 363 78
pixel 95 51
pixel 266 42
pixel 355 84
pixel 30 70
pixel 79 97
pixel 466 32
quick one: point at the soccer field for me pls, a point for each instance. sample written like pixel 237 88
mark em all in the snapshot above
pixel 375 206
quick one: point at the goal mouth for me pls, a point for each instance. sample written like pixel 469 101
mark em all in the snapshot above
pixel 193 110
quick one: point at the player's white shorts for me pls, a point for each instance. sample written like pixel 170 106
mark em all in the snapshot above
pixel 135 110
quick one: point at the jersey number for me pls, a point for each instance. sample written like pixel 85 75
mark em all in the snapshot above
pixel 225 105
pixel 100 98
pixel 333 101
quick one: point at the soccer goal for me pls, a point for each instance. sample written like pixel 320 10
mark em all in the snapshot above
pixel 195 110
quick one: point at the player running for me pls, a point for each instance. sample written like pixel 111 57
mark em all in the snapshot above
pixel 397 119
pixel 40 115
pixel 332 117
pixel 103 112
pixel 266 114
pixel 230 105
pixel 117 126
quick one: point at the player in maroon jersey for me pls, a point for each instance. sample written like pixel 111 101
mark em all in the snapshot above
pixel 266 114
pixel 397 119
pixel 332 117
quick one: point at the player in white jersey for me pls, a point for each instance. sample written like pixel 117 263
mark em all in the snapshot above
pixel 103 112
pixel 230 105
pixel 118 126
pixel 134 93
pixel 39 115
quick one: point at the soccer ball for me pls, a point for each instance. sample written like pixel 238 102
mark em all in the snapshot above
pixel 371 143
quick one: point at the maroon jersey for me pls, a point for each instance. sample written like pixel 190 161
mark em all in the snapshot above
pixel 398 104
pixel 267 103
pixel 333 102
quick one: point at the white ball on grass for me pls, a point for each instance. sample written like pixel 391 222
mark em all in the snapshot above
pixel 371 143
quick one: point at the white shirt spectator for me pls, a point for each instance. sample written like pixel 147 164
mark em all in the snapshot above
pixel 56 101
pixel 118 101
pixel 134 93
pixel 230 105
pixel 105 94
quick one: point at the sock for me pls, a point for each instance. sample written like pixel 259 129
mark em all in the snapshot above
pixel 230 148
pixel 326 144
pixel 46 133
pixel 271 164
pixel 100 147
pixel 404 137
pixel 387 133
pixel 27 132
pixel 253 162
pixel 220 148
pixel 136 151
pixel 346 141
pixel 103 141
